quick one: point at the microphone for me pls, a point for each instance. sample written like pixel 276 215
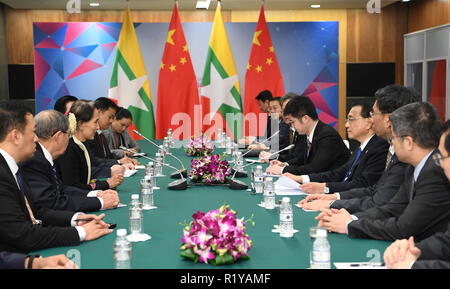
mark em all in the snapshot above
pixel 276 133
pixel 174 175
pixel 175 185
pixel 236 184
pixel 277 152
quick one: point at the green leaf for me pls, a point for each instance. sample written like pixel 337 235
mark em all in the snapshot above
pixel 189 254
pixel 225 259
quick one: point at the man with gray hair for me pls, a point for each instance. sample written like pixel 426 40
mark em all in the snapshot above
pixel 52 130
pixel 421 207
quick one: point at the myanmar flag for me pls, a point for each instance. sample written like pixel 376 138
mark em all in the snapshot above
pixel 177 86
pixel 263 72
pixel 220 93
pixel 129 85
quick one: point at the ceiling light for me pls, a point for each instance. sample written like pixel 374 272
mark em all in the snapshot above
pixel 315 6
pixel 203 4
pixel 94 4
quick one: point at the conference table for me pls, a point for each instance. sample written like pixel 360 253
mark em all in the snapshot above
pixel 174 208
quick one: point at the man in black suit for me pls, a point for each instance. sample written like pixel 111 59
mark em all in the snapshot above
pixel 22 261
pixel 365 166
pixel 25 225
pixel 52 129
pixel 433 252
pixel 421 207
pixel 388 99
pixel 324 148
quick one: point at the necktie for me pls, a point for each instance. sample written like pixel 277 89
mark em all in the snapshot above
pixel 388 160
pixel 19 181
pixel 103 143
pixel 358 153
pixel 411 193
pixel 308 147
pixel 58 181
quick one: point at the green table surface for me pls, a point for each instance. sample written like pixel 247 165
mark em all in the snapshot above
pixel 162 251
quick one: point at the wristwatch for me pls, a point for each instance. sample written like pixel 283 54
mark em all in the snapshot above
pixel 326 189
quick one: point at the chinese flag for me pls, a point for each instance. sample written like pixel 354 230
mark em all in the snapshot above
pixel 262 73
pixel 177 85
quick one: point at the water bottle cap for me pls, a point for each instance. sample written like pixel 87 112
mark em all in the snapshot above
pixel 157 154
pixel 269 179
pixel 166 138
pixel 150 164
pixel 259 167
pixel 122 232
pixel 161 147
pixel 286 200
pixel 135 197
pixel 147 178
pixel 321 233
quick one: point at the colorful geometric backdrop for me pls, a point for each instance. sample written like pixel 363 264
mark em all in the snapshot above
pixel 76 58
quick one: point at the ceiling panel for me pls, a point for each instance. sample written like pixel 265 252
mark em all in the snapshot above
pixel 190 4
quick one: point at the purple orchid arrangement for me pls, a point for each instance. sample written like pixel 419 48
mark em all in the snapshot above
pixel 216 237
pixel 210 170
pixel 200 146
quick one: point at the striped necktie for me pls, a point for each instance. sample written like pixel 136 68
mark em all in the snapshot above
pixel 19 181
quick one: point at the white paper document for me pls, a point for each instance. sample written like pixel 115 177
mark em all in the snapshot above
pixel 287 187
pixel 129 173
pixel 360 265
pixel 254 161
pixel 139 167
pixel 305 209
pixel 286 182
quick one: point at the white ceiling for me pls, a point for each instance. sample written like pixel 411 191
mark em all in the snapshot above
pixel 190 4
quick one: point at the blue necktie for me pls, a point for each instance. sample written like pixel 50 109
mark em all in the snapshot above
pixel 358 153
pixel 19 181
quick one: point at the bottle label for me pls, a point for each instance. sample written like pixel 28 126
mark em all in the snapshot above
pixel 321 256
pixel 258 179
pixel 286 217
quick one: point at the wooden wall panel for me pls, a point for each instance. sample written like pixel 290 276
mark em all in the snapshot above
pixel 428 13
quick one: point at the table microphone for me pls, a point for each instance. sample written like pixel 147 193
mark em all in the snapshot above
pixel 236 184
pixel 285 149
pixel 276 133
pixel 175 185
pixel 174 175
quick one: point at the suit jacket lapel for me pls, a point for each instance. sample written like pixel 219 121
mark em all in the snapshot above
pixel 12 181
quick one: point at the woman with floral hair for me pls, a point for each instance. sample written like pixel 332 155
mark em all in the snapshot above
pixel 75 167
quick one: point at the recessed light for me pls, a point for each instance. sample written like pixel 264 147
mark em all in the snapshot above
pixel 315 6
pixel 94 4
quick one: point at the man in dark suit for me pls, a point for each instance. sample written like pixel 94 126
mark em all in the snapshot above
pixel 324 148
pixel 421 207
pixel 365 166
pixel 22 261
pixel 25 225
pixel 388 99
pixel 52 129
pixel 433 252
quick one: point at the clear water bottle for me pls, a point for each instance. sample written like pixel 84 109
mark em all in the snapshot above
pixel 147 193
pixel 286 218
pixel 224 139
pixel 136 216
pixel 162 152
pixel 159 165
pixel 321 251
pixel 238 163
pixel 166 144
pixel 219 137
pixel 259 180
pixel 269 193
pixel 150 169
pixel 228 145
pixel 170 137
pixel 122 251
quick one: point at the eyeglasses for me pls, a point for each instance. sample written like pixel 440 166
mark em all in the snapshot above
pixel 352 119
pixel 438 159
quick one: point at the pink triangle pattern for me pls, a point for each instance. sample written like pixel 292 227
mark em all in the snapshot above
pixel 318 101
pixel 324 85
pixel 49 28
pixel 48 43
pixel 85 67
pixel 74 30
pixel 41 69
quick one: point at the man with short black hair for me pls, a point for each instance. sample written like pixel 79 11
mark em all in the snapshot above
pixel 421 207
pixel 324 147
pixel 20 217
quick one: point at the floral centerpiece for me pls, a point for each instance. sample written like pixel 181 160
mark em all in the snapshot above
pixel 216 237
pixel 200 146
pixel 210 170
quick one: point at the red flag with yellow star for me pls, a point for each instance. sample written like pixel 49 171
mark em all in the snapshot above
pixel 177 85
pixel 263 73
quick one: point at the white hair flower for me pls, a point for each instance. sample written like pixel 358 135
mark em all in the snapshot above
pixel 72 123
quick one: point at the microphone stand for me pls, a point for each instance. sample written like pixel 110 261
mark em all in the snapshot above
pixel 237 184
pixel 174 175
pixel 175 185
pixel 276 133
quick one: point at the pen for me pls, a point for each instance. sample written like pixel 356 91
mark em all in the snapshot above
pixel 368 264
pixel 84 220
